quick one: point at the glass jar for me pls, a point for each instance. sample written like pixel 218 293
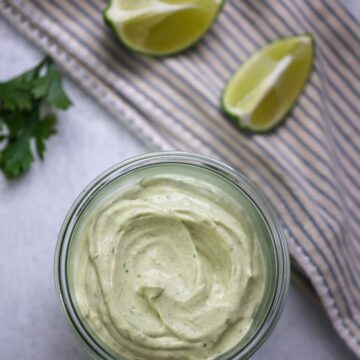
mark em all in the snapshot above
pixel 258 207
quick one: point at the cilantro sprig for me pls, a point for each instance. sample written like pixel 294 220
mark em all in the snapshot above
pixel 27 116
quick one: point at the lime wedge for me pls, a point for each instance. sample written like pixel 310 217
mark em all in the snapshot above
pixel 266 86
pixel 160 27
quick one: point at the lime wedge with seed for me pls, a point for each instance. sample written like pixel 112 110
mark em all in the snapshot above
pixel 263 90
pixel 160 27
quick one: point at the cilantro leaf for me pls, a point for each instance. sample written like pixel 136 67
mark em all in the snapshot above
pixel 17 157
pixel 44 129
pixel 50 88
pixel 26 116
pixel 16 93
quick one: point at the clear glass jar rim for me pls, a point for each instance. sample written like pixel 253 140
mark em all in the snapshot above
pixel 254 193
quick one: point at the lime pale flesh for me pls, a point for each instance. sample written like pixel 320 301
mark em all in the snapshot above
pixel 265 88
pixel 160 27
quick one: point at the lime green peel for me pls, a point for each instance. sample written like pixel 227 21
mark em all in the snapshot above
pixel 264 89
pixel 160 27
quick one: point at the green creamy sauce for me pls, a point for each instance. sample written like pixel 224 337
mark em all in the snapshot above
pixel 170 269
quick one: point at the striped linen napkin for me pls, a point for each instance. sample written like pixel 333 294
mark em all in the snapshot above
pixel 309 168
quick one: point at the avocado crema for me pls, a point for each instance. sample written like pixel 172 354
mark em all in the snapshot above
pixel 168 269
